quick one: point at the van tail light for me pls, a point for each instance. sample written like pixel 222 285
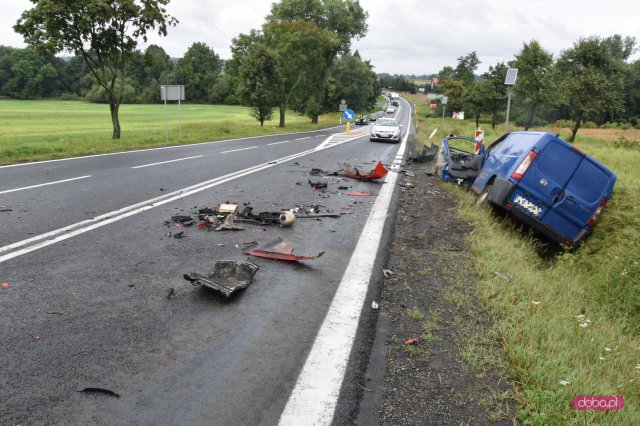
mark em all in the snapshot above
pixel 522 168
pixel 594 216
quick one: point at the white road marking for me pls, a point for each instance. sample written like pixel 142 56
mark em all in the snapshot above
pixel 278 143
pixel 301 139
pixel 239 149
pixel 31 244
pixel 168 161
pixel 314 398
pixel 35 163
pixel 44 184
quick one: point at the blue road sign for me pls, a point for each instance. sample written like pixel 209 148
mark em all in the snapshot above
pixel 348 115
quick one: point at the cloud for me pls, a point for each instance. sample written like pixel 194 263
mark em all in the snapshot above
pixel 404 37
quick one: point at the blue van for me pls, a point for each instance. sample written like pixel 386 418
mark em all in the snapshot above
pixel 545 182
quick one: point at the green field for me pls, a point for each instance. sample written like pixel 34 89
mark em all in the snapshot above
pixel 567 322
pixel 42 130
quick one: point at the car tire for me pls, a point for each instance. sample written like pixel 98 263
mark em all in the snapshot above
pixel 482 198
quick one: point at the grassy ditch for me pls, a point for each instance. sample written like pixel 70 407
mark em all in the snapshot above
pixel 568 322
pixel 43 130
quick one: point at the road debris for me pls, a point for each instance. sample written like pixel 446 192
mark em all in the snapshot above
pixel 228 224
pixel 279 250
pixel 317 184
pixel 504 276
pixel 91 387
pixel 5 285
pixel 374 305
pixel 171 293
pixel 411 341
pixel 387 273
pixel 226 277
pixel 377 173
pixel 177 234
pixel 427 154
pixel 359 194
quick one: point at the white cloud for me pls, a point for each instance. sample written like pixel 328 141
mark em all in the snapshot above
pixel 404 37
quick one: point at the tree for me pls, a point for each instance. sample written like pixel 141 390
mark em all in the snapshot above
pixel 300 50
pixel 342 19
pixel 496 90
pixel 534 87
pixel 466 67
pixel 198 70
pixel 477 99
pixel 355 81
pixel 257 77
pixel 104 33
pixel 590 75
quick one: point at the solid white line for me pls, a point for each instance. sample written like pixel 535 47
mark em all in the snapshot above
pixel 278 143
pixel 44 240
pixel 240 149
pixel 314 398
pixel 169 161
pixel 44 184
pixel 163 147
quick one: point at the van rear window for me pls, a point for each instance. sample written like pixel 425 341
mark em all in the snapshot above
pixel 589 182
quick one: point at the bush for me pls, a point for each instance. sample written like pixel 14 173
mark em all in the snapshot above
pixel 564 123
pixel 589 125
pixel 624 142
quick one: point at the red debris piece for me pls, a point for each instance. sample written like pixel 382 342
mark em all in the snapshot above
pixel 37 337
pixel 5 285
pixel 377 173
pixel 411 341
pixel 279 250
pixel 220 244
pixel 250 243
pixel 359 194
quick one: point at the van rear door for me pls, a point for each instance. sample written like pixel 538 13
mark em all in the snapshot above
pixel 566 185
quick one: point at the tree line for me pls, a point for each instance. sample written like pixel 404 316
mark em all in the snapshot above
pixel 589 84
pixel 299 59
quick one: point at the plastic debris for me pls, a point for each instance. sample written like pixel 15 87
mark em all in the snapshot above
pixel 226 277
pixel 279 250
pixel 359 194
pixel 5 285
pixel 377 173
pixel 387 272
pixel 374 305
pixel 229 224
pixel 228 208
pixel 411 341
pixel 171 293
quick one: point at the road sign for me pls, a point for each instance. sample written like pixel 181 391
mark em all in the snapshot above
pixel 512 75
pixel 445 99
pixel 348 115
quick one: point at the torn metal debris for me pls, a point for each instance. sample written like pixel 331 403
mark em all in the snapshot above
pixel 279 250
pixel 377 173
pixel 226 277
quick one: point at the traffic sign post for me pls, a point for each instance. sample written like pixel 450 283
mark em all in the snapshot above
pixel 509 81
pixel 348 115
pixel 445 99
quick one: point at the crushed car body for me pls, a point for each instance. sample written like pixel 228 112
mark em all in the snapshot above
pixel 539 178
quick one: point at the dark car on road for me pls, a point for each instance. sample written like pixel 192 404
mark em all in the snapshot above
pixel 362 121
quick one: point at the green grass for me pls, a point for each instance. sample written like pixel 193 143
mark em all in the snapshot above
pixel 43 130
pixel 537 316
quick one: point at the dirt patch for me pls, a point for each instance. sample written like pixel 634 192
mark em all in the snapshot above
pixel 451 373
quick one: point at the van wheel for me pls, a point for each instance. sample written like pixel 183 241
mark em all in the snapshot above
pixel 482 198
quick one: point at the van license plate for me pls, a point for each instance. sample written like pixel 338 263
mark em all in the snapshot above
pixel 528 205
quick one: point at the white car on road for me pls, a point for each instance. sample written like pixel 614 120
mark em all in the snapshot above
pixel 386 129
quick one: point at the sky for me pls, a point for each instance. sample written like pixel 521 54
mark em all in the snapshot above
pixel 411 37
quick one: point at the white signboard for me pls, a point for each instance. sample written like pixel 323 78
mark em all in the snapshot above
pixel 172 93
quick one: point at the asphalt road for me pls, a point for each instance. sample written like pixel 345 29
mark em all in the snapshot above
pixel 89 265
